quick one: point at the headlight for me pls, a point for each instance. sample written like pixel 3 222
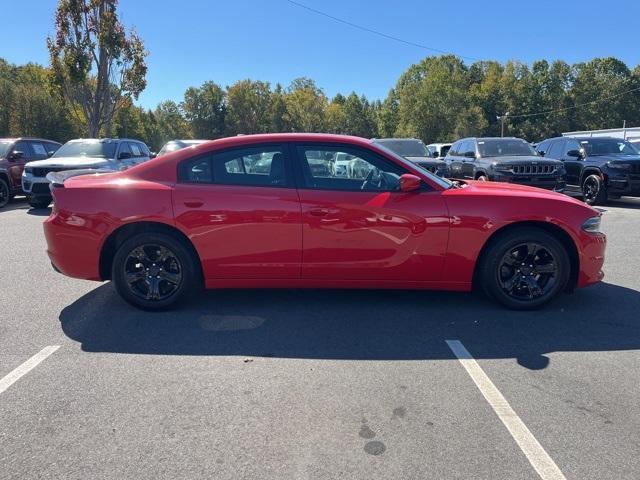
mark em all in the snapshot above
pixel 592 225
pixel 619 166
pixel 28 170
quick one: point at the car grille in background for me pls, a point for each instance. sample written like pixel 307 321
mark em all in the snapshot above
pixel 42 171
pixel 40 188
pixel 534 169
pixel 635 168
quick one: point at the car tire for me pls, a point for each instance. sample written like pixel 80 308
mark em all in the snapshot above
pixel 153 283
pixel 511 274
pixel 594 191
pixel 39 202
pixel 5 193
pixel 482 178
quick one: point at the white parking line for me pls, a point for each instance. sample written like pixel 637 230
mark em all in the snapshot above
pixel 26 367
pixel 537 456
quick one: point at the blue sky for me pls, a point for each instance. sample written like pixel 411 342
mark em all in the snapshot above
pixel 192 41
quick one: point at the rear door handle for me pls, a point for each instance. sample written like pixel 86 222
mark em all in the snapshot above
pixel 193 202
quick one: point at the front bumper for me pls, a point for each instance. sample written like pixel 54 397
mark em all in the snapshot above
pixel 627 185
pixel 555 183
pixel 35 186
pixel 592 247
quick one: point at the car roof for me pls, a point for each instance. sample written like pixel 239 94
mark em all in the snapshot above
pixel 28 138
pixel 384 140
pixel 584 139
pixel 104 140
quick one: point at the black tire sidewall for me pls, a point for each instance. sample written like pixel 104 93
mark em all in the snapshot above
pixel 184 255
pixel 495 252
pixel 39 202
pixel 5 186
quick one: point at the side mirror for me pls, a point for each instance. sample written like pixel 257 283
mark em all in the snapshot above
pixel 50 153
pixel 153 155
pixel 124 155
pixel 435 154
pixel 541 153
pixel 409 183
pixel 574 153
pixel 15 155
pixel 470 154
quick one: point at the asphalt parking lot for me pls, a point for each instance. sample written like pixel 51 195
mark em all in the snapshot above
pixel 316 384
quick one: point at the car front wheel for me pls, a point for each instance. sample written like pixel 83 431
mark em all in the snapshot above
pixel 594 191
pixel 5 194
pixel 154 271
pixel 39 202
pixel 524 269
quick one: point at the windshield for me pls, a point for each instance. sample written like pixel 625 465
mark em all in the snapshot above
pixel 4 148
pixel 87 149
pixel 443 182
pixel 505 147
pixel 607 146
pixel 406 148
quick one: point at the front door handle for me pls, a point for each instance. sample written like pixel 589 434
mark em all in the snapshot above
pixel 319 212
pixel 193 202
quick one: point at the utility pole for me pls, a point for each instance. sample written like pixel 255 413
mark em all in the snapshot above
pixel 502 119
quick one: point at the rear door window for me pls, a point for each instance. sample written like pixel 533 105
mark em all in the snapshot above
pixel 555 149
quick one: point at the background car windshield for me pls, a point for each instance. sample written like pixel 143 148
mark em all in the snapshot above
pixel 504 147
pixel 4 148
pixel 87 149
pixel 443 182
pixel 608 146
pixel 407 148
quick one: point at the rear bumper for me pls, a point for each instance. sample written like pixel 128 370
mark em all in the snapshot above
pixel 73 250
pixel 591 257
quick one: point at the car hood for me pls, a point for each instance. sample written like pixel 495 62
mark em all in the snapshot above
pixel 427 161
pixel 616 158
pixel 514 189
pixel 520 159
pixel 71 162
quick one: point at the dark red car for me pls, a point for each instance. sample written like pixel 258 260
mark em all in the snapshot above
pixel 14 153
pixel 213 215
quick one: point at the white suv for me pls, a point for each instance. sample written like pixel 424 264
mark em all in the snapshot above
pixel 84 153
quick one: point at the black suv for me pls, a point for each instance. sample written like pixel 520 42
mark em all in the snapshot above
pixel 597 167
pixel 14 153
pixel 504 160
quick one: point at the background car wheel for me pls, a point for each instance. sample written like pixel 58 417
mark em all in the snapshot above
pixel 5 194
pixel 524 268
pixel 594 191
pixel 482 178
pixel 154 271
pixel 39 202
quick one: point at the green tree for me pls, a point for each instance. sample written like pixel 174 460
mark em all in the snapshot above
pixel 205 109
pixel 96 65
pixel 306 106
pixel 248 107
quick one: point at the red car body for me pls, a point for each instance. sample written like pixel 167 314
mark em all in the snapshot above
pixel 253 236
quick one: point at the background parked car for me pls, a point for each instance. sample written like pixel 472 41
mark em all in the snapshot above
pixel 175 145
pixel 85 153
pixel 415 150
pixel 439 150
pixel 14 154
pixel 507 159
pixel 597 167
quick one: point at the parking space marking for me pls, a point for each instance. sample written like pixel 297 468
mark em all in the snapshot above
pixel 26 367
pixel 537 456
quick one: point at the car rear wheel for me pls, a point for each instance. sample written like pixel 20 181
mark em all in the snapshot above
pixel 5 194
pixel 594 191
pixel 39 202
pixel 525 268
pixel 154 271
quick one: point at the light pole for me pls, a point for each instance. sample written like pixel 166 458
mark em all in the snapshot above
pixel 502 119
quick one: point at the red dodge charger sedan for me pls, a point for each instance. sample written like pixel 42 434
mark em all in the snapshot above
pixel 275 211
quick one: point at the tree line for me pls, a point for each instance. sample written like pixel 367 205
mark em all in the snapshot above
pixel 438 99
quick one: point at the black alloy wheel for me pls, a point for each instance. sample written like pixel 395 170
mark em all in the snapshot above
pixel 527 271
pixel 524 268
pixel 593 190
pixel 155 270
